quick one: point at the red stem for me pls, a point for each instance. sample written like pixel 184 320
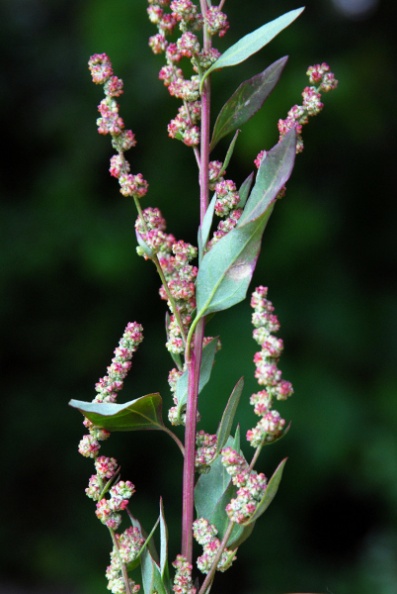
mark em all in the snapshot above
pixel 193 363
pixel 194 355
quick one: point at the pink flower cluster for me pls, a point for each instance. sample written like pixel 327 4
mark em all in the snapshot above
pixel 127 548
pixel 111 123
pixel 322 80
pixel 205 534
pixel 265 322
pixel 183 583
pixel 205 451
pixel 108 386
pixel 107 510
pixel 174 258
pixel 226 201
pixel 251 486
pixel 180 20
pixel 105 481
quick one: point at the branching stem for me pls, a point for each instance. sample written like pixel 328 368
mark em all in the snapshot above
pixel 160 272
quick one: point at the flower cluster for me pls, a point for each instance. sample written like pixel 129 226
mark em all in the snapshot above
pixel 111 123
pixel 250 485
pixel 227 200
pixel 177 23
pixel 107 510
pixel 183 583
pixel 321 80
pixel 126 549
pixel 205 451
pixel 105 481
pixel 174 258
pixel 205 534
pixel 108 386
pixel 265 322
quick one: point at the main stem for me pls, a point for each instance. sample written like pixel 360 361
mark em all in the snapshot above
pixel 194 352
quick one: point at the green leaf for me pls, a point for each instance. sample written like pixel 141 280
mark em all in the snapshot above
pixel 152 581
pixel 205 228
pixel 274 171
pixel 226 270
pixel 207 362
pixel 143 413
pixel 209 491
pixel 253 42
pixel 147 544
pixel 246 101
pixel 226 423
pixel 230 152
pixel 244 190
pixel 270 493
pixel 163 545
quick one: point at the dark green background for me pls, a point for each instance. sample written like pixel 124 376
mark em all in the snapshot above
pixel 71 280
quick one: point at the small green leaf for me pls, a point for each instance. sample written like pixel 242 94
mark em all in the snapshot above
pixel 236 441
pixel 239 535
pixel 274 171
pixel 246 101
pixel 230 152
pixel 226 270
pixel 207 362
pixel 163 545
pixel 147 544
pixel 270 493
pixel 226 423
pixel 143 413
pixel 152 581
pixel 245 189
pixel 253 42
pixel 205 228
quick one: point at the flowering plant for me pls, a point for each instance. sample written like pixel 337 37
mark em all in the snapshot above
pixel 223 495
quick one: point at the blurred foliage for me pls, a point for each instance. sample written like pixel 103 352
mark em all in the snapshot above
pixel 71 280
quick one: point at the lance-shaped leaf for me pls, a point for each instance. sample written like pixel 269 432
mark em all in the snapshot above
pixel 143 413
pixel 229 152
pixel 246 101
pixel 147 544
pixel 274 171
pixel 270 493
pixel 205 227
pixel 253 42
pixel 245 189
pixel 226 423
pixel 152 580
pixel 226 270
pixel 207 361
pixel 164 546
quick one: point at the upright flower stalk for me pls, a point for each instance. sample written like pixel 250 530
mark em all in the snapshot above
pixel 223 495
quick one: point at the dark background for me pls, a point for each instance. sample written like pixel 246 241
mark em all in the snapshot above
pixel 71 280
